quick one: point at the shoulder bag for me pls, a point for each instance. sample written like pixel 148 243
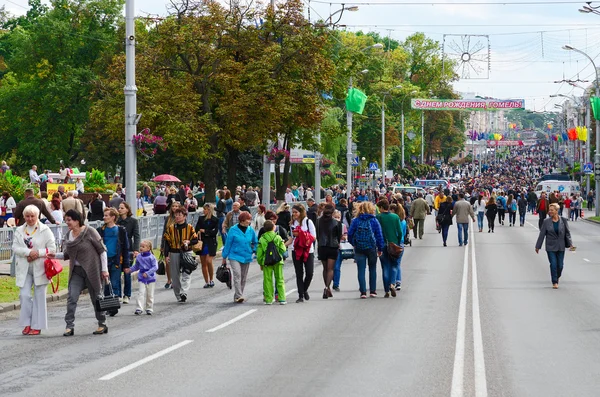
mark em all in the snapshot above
pixel 187 262
pixel 161 265
pixel 394 250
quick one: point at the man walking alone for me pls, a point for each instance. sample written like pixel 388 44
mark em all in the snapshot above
pixel 418 211
pixel 462 211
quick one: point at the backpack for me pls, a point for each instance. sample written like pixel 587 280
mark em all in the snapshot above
pixel 272 255
pixel 513 206
pixel 364 239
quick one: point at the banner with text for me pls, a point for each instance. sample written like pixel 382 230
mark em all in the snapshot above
pixel 467 104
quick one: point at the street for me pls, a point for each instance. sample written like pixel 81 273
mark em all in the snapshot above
pixel 505 332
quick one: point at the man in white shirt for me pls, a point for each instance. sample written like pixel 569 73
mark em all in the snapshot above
pixel 33 175
pixel 289 197
pixel 309 193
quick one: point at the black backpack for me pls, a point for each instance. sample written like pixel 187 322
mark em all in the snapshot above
pixel 272 255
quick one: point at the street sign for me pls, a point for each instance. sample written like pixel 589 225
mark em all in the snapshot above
pixel 373 167
pixel 438 164
pixel 355 161
pixel 588 168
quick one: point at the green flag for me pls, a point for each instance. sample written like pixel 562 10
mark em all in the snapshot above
pixel 595 101
pixel 355 101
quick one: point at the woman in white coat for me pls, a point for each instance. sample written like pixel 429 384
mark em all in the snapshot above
pixel 31 243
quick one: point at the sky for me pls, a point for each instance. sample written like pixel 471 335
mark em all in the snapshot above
pixel 521 41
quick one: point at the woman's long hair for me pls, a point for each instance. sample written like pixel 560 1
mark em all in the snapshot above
pixel 302 211
pixel 208 211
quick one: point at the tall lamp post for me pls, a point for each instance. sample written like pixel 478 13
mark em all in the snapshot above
pixel 349 135
pixel 131 116
pixel 403 99
pixel 383 133
pixel 597 155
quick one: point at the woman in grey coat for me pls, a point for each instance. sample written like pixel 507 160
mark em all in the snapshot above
pixel 555 230
pixel 87 267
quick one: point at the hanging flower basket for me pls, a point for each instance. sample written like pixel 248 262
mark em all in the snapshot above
pixel 277 155
pixel 326 163
pixel 326 173
pixel 147 144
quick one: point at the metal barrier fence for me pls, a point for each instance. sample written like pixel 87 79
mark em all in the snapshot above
pixel 151 228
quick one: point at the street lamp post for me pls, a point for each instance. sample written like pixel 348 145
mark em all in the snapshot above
pixel 403 99
pixel 131 116
pixel 349 134
pixel 383 133
pixel 597 155
pixel 422 136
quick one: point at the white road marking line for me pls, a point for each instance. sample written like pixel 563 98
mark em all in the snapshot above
pixel 233 320
pixel 291 291
pixel 586 259
pixel 479 358
pixel 533 226
pixel 145 360
pixel 459 352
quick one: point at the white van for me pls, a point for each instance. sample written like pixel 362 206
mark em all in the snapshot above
pixel 413 190
pixel 563 187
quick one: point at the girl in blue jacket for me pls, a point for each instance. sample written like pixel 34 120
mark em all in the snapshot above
pixel 146 265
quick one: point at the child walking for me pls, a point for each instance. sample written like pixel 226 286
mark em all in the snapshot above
pixel 146 265
pixel 269 270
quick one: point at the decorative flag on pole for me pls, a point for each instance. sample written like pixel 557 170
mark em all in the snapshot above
pixel 572 134
pixel 356 100
pixel 595 102
pixel 582 133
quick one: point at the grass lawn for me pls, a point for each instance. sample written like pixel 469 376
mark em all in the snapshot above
pixel 9 292
pixel 594 218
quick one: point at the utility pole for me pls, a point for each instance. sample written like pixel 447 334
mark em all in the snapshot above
pixel 131 116
pixel 349 149
pixel 266 171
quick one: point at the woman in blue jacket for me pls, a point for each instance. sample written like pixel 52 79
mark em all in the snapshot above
pixel 241 243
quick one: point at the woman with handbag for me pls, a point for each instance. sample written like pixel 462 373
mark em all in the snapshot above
pixel 179 238
pixel 337 269
pixel 303 253
pixel 329 237
pixel 31 243
pixel 555 230
pixel 207 229
pixel 88 266
pixel 398 209
pixel 392 235
pixel 445 217
pixel 241 244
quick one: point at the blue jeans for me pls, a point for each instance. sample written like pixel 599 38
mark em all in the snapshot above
pixel 522 217
pixel 480 220
pixel 399 269
pixel 337 271
pixel 127 286
pixel 463 233
pixel 556 259
pixel 220 226
pixel 388 268
pixel 361 259
pixel 445 232
pixel 114 272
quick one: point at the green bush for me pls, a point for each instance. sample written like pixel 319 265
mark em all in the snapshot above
pixel 95 181
pixel 13 184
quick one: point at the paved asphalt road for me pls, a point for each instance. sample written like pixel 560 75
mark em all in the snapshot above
pixel 508 334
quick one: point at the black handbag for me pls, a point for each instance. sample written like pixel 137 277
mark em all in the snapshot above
pixel 161 266
pixel 224 275
pixel 108 301
pixel 187 262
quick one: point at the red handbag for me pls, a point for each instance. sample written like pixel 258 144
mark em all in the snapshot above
pixel 53 268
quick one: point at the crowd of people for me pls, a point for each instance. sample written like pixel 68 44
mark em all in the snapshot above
pixel 369 225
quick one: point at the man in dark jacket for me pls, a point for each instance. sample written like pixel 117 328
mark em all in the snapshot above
pixel 311 213
pixel 31 200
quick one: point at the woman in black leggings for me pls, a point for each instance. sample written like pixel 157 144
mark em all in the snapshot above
pixel 491 209
pixel 329 237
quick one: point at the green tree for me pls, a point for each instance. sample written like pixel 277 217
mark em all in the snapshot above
pixel 53 56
